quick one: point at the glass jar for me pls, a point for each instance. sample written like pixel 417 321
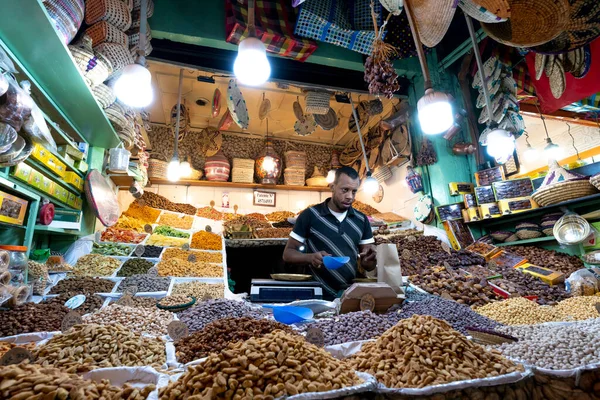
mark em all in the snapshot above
pixel 17 265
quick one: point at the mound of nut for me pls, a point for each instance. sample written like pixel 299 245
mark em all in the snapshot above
pixel 92 301
pixel 422 351
pixel 139 320
pixel 350 327
pixel 202 256
pixel 199 290
pixel 31 381
pixel 277 364
pixel 217 335
pixel 205 312
pixel 174 300
pixel 96 265
pixel 82 284
pixel 182 268
pixel 31 317
pixel 146 283
pixel 86 347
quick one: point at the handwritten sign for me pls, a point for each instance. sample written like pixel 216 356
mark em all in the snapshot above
pixel 192 258
pixel 446 248
pixel 315 336
pixel 70 320
pixel 185 246
pixel 130 290
pixel 140 250
pixel 367 302
pixel 177 330
pixel 266 199
pixel 16 355
pixel 126 300
pixel 148 228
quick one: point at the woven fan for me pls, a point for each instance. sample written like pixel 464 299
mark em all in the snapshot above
pixel 210 142
pixel 396 150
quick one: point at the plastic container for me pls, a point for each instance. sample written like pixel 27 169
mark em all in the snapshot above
pixel 119 159
pixel 17 264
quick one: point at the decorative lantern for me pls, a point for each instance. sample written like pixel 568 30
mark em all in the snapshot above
pixel 268 165
pixel 414 180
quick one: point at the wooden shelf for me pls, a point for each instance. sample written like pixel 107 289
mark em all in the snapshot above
pixel 57 231
pixel 47 62
pixel 52 175
pixel 238 185
pixel 528 241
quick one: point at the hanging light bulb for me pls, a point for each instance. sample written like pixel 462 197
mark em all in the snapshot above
pixel 174 170
pixel 185 168
pixel 269 164
pixel 552 150
pixel 330 176
pixel 435 112
pixel 500 144
pixel 370 185
pixel 530 154
pixel 251 65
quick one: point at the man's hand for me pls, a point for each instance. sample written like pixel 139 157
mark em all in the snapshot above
pixel 368 257
pixel 316 259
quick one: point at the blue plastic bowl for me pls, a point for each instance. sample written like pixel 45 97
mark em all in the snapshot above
pixel 291 315
pixel 334 262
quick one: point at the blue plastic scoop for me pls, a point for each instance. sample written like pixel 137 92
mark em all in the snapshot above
pixel 334 262
pixel 291 315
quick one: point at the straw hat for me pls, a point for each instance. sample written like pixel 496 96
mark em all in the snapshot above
pixel 491 11
pixel 532 23
pixel 583 27
pixel 432 19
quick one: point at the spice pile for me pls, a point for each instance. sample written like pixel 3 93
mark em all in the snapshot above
pixel 279 216
pixel 122 236
pixel 217 335
pixel 157 201
pixel 168 231
pixel 206 241
pixel 200 290
pixel 130 223
pixel 145 214
pixel 176 220
pixel 166 241
pixel 204 256
pixel 264 366
pixel 96 265
pixel 111 249
pixel 209 213
pixel 205 312
pixel 422 351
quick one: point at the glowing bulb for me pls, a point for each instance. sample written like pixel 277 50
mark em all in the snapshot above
pixel 330 176
pixel 530 154
pixel 268 164
pixel 134 86
pixel 500 144
pixel 552 150
pixel 370 185
pixel 173 170
pixel 251 65
pixel 435 112
pixel 185 169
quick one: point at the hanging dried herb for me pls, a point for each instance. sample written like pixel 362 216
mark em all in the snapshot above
pixel 427 155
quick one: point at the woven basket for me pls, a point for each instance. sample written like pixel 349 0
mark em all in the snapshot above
pixel 242 175
pixel 295 159
pixel 563 191
pixel 317 102
pixel 501 236
pixel 511 238
pixel 294 177
pixel 115 12
pixel 595 180
pixel 525 234
pixel 129 4
pixel 94 68
pixel 157 168
pixel 117 54
pixel 195 174
pixel 548 231
pixel 245 163
pixel 134 41
pixel 382 173
pixel 67 16
pixel 103 31
pixel 104 95
pixel 116 118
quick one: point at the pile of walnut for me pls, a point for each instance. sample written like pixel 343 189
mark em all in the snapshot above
pixel 275 365
pixel 423 351
pixel 32 381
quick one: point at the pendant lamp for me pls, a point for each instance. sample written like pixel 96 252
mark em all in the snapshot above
pixel 251 66
pixel 370 185
pixel 434 108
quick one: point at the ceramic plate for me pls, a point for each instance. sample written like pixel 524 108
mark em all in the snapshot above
pixel 306 127
pixel 237 105
pixel 423 208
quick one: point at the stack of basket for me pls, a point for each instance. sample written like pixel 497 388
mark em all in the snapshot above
pixel 548 222
pixel 243 170
pixel 295 171
pixel 157 168
pixel 528 230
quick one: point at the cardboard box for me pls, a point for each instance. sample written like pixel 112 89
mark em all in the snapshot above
pixel 12 209
pixel 47 185
pixel 67 149
pixel 459 234
pixel 485 250
pixel 81 166
pixel 488 176
pixel 485 195
pixel 474 214
pixel 517 205
pixel 490 210
pixel 36 179
pixel 71 198
pixel 78 203
pixel 450 211
pixel 547 275
pixel 74 179
pixel 512 189
pixel 66 219
pixel 61 193
pixel 457 188
pixel 40 153
pixel 57 166
pixel 22 172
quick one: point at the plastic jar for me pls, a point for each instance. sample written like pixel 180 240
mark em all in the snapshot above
pixel 119 159
pixel 17 264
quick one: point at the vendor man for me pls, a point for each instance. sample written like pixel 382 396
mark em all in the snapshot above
pixel 333 228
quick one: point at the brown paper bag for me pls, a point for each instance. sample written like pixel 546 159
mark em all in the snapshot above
pixel 388 267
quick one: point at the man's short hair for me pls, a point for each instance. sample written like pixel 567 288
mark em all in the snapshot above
pixel 348 171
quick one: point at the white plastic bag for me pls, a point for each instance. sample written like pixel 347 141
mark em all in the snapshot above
pixel 582 283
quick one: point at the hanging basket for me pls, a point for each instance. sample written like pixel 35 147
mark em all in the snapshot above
pixel 118 55
pixel 104 95
pixel 561 185
pixel 157 168
pixel 115 12
pixel 595 180
pixel 94 67
pixel 103 31
pixel 67 16
pixel 317 102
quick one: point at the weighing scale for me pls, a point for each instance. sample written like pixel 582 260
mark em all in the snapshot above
pixel 272 291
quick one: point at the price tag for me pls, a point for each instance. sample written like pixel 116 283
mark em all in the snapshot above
pixel 406 254
pixel 139 250
pixel 126 300
pixel 142 202
pixel 235 208
pixel 148 228
pixel 75 301
pixel 16 355
pixel 411 238
pixel 185 246
pixel 367 302
pixel 177 330
pixel 70 320
pixel 206 297
pixel 130 290
pixel 446 248
pixel 492 264
pixel 315 336
pixel 448 266
pixel 153 271
pixel 192 258
pixel 208 228
pixel 212 204
pixel 97 236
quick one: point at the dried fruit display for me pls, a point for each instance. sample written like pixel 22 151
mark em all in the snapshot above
pixel 427 154
pixel 122 236
pixel 379 70
pixel 210 213
pixel 157 201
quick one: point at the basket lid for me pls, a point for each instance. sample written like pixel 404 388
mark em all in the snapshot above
pixel 558 174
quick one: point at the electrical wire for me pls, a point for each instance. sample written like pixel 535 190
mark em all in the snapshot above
pixel 573 139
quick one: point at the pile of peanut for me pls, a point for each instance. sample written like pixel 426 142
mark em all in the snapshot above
pixel 174 300
pixel 32 381
pixel 199 290
pixel 85 347
pixel 181 268
pixel 152 321
pixel 203 256
pixel 96 265
pixel 423 351
pixel 273 366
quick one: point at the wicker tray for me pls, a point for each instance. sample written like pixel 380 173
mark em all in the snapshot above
pixel 525 234
pixel 564 191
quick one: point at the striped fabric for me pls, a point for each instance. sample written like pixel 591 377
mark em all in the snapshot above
pixel 320 230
